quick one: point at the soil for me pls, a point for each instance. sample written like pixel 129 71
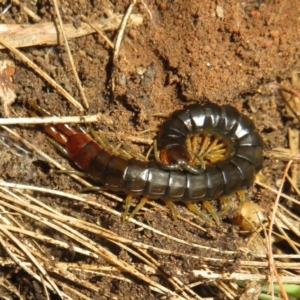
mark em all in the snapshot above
pixel 223 52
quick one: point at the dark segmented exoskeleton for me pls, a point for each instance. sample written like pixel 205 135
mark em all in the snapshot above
pixel 172 179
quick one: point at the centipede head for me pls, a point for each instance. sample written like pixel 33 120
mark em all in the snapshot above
pixel 176 154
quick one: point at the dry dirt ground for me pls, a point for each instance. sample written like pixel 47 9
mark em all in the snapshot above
pixel 224 52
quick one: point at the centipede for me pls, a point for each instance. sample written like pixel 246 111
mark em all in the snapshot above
pixel 173 178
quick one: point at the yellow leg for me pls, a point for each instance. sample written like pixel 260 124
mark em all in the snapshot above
pixel 226 204
pixel 156 152
pixel 189 146
pixel 107 145
pixel 138 207
pixel 199 161
pixel 212 211
pixel 204 145
pixel 102 140
pixel 170 204
pixel 242 196
pixel 149 152
pixel 262 178
pixel 195 143
pixel 212 146
pixel 127 206
pixel 195 209
pixel 192 144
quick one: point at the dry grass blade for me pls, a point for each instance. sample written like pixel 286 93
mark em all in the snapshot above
pixel 28 11
pixel 70 54
pixel 273 269
pixel 58 120
pixel 119 39
pixel 99 31
pixel 26 35
pixel 122 29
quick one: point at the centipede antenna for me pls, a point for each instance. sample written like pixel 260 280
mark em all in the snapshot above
pixel 173 167
pixel 191 169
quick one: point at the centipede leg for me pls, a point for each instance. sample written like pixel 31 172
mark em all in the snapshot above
pixel 242 196
pixel 156 152
pixel 211 210
pixel 226 204
pixel 261 178
pixel 103 141
pixel 204 145
pixel 192 144
pixel 138 207
pixel 149 152
pixel 195 209
pixel 128 201
pixel 170 204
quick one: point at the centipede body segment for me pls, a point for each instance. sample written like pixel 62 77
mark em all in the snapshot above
pixel 173 179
